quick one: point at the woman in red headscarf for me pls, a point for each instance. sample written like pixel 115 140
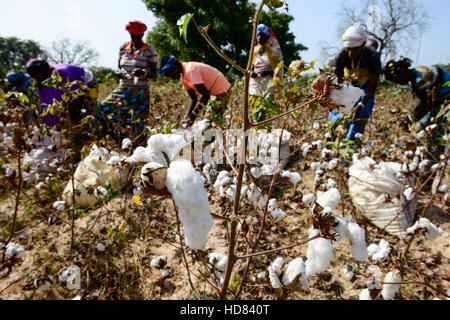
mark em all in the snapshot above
pixel 128 105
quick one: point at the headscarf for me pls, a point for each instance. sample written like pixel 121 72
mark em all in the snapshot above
pixel 166 65
pixel 35 66
pixel 262 28
pixel 136 27
pixel 354 36
pixel 271 47
pixel 395 67
pixel 13 75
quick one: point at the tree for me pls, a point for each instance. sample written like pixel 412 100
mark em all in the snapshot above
pixel 66 50
pixel 229 27
pixel 396 24
pixel 14 53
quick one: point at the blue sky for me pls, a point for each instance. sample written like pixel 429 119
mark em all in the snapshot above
pixel 101 23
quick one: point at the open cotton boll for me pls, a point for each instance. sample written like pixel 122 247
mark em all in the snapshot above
pixel 357 239
pixel 330 198
pixel 365 295
pixel 348 273
pixel 319 254
pixel 146 155
pixel 14 250
pixel 126 143
pixel 218 260
pixel 256 172
pixel 294 177
pixel 309 199
pixel 346 97
pixel 432 231
pixel 59 205
pixel 355 235
pixel 170 144
pixel 186 187
pixel 158 262
pixel 316 126
pixel 389 290
pixel 275 271
pixel 295 268
pixel 274 210
pixel 380 251
pixel 333 164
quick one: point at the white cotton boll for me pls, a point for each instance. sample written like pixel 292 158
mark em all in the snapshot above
pixel 219 261
pixel 327 153
pixel 14 250
pixel 100 191
pixel 389 290
pixel 54 163
pixel 170 144
pixel 256 172
pixel 318 144
pixel 9 172
pixel 316 126
pixel 309 199
pixel 432 231
pixel 365 295
pixel 358 246
pixel 222 180
pixel 324 165
pixel 113 161
pixel 424 164
pixel 306 149
pixel 294 268
pixel 39 185
pixel 346 97
pixel 59 205
pixel 186 187
pixel 315 165
pixel 158 262
pixel 327 135
pixel 359 136
pixel 100 247
pixel 421 134
pixel 434 167
pixel 443 188
pixel 294 177
pixel 275 271
pixel 379 252
pixel 319 254
pixel 137 191
pixel 409 193
pixel 231 192
pixel 77 298
pixel 261 275
pixel 331 184
pixel 330 198
pixel 348 273
pixel 274 210
pixel 333 164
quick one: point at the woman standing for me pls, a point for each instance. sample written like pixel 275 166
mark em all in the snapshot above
pixel 124 111
pixel 361 66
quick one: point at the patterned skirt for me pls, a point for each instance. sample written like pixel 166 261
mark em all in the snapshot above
pixel 123 113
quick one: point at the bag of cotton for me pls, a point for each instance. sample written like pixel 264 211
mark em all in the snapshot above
pixel 378 192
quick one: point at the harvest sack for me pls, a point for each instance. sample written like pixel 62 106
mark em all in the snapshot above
pixel 92 172
pixel 378 192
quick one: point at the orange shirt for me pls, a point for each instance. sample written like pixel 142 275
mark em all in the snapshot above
pixel 200 73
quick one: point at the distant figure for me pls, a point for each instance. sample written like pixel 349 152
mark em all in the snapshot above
pixel 372 43
pixel 196 77
pixel 362 67
pixel 78 108
pixel 266 57
pixel 431 85
pixel 128 104
pixel 40 70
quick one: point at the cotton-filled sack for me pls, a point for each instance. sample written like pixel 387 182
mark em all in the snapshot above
pixel 377 192
pixel 92 172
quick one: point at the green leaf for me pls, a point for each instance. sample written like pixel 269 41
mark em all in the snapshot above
pixel 182 24
pixel 27 166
